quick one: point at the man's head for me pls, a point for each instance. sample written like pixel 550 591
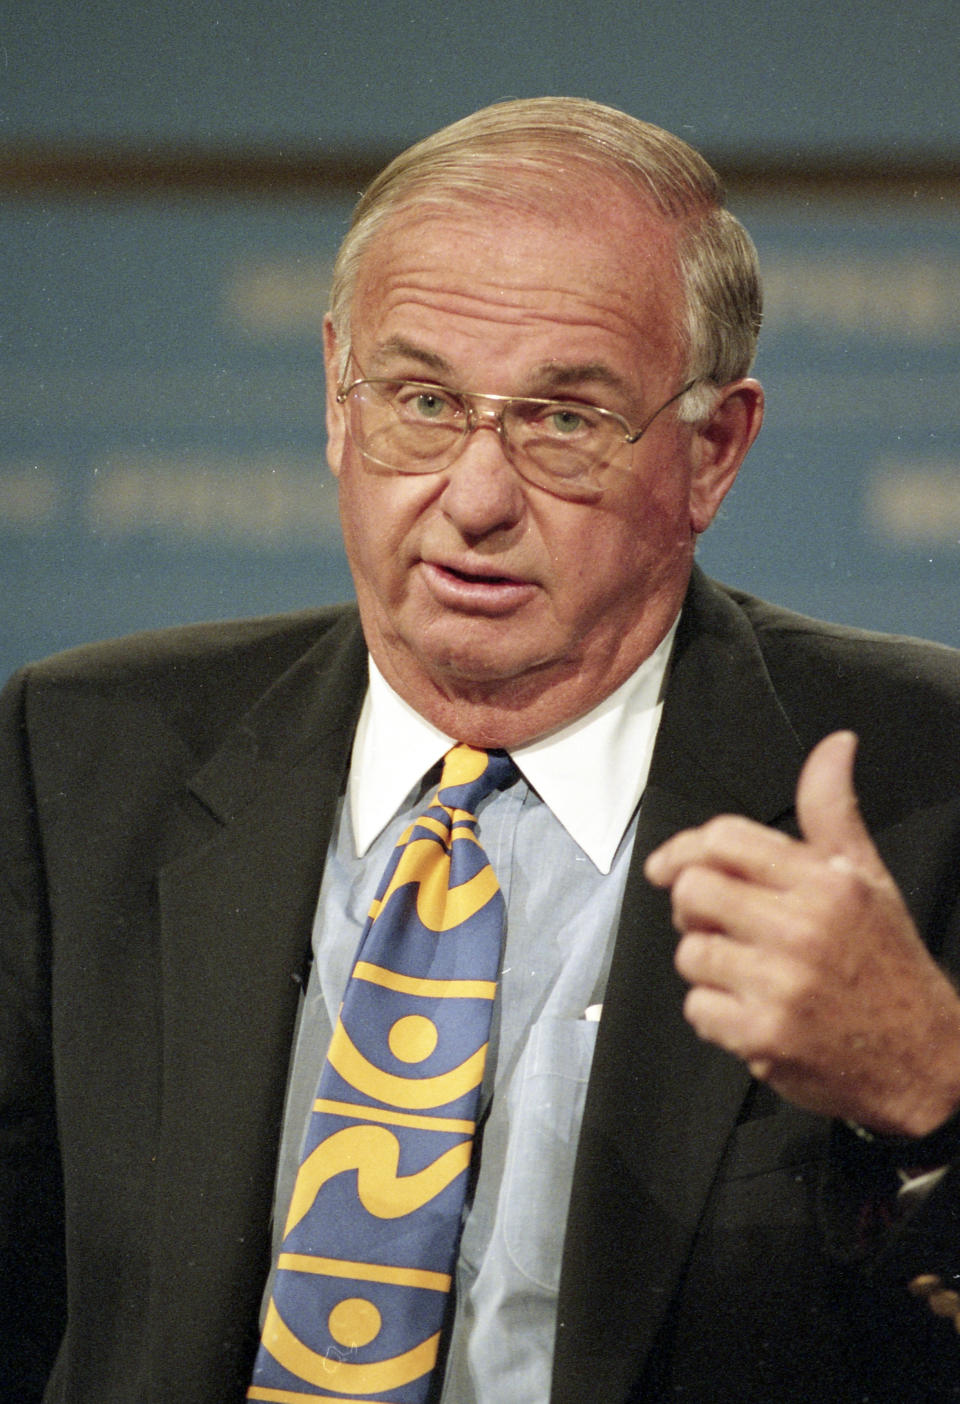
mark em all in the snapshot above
pixel 547 142
pixel 553 249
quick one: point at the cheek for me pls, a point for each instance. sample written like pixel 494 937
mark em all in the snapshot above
pixel 585 569
pixel 367 524
pixel 623 533
pixel 628 550
pixel 658 513
pixel 379 515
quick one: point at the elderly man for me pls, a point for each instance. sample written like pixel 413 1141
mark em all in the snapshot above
pixel 712 1169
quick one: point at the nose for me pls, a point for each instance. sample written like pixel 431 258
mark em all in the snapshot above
pixel 483 492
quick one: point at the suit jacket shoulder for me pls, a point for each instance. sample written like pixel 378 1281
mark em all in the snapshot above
pixel 881 678
pixel 900 695
pixel 203 677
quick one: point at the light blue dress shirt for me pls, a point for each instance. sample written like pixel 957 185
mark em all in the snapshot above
pixel 563 896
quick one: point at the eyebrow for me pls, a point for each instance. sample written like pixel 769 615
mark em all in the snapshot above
pixel 560 376
pixel 398 346
pixel 547 378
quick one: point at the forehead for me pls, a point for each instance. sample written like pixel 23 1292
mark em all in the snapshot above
pixel 480 282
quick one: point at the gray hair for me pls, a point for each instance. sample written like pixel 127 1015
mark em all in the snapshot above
pixel 491 156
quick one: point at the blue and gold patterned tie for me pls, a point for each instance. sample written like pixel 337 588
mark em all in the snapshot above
pixel 371 1238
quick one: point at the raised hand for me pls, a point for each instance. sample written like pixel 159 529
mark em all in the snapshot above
pixel 803 960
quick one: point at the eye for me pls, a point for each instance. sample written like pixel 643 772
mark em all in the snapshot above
pixel 561 420
pixel 427 403
pixel 564 421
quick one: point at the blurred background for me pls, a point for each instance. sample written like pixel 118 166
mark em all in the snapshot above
pixel 175 177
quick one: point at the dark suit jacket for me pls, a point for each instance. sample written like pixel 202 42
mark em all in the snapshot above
pixel 166 808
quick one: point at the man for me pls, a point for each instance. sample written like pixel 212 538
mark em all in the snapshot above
pixel 719 1169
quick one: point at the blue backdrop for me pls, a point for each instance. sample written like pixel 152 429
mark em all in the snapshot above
pixel 161 456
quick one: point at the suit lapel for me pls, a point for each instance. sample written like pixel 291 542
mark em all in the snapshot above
pixel 661 1103
pixel 237 900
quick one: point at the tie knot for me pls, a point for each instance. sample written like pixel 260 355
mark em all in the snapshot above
pixel 469 775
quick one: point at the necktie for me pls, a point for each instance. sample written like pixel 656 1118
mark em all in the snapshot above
pixel 370 1243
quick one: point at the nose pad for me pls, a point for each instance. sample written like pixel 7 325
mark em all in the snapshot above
pixel 488 417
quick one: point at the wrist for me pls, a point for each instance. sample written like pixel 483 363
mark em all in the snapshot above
pixel 937 1148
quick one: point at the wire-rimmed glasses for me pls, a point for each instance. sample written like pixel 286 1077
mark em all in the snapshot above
pixel 414 426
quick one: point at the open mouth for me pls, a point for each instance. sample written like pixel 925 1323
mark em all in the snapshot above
pixel 474 590
pixel 474 579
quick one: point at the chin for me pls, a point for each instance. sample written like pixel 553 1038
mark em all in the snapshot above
pixel 474 667
pixel 463 652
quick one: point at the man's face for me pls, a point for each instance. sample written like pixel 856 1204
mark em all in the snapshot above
pixel 472 583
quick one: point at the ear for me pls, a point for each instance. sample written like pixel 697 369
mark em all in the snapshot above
pixel 720 444
pixel 336 422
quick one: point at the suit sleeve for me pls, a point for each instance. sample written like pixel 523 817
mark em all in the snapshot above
pixel 31 1216
pixel 909 1251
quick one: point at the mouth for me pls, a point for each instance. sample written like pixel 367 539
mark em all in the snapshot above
pixel 479 578
pixel 469 591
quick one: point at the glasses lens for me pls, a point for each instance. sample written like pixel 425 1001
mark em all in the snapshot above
pixel 407 426
pixel 569 442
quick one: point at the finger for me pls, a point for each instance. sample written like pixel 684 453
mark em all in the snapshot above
pixel 732 844
pixel 705 899
pixel 757 1029
pixel 718 1016
pixel 828 811
pixel 709 959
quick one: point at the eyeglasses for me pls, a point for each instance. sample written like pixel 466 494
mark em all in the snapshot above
pixel 412 426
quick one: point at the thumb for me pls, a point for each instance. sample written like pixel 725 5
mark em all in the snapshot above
pixel 827 807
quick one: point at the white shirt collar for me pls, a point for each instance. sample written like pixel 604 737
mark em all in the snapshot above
pixel 590 773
